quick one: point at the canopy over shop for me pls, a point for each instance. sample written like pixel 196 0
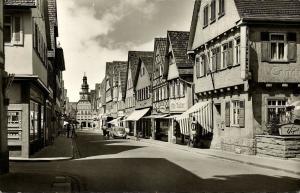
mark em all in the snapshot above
pixel 201 113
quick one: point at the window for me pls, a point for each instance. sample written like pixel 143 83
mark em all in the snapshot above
pixel 221 7
pixel 237 51
pixel 178 88
pixel 213 11
pixel 224 55
pixel 278 47
pixel 235 112
pixel 205 16
pixel 13 32
pixel 34 120
pixel 14 117
pixel 215 59
pixel 202 65
pixel 276 111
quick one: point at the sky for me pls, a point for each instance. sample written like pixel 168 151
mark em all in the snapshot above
pixel 93 32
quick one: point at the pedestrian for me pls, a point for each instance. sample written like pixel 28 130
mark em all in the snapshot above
pixel 68 130
pixel 193 133
pixel 73 131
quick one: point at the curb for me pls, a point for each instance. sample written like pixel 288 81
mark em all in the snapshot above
pixel 223 157
pixel 13 159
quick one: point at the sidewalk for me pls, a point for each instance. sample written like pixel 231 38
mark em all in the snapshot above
pixel 290 165
pixel 61 149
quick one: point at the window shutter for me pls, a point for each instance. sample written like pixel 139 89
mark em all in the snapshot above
pixel 265 51
pixel 214 63
pixel 292 37
pixel 265 36
pixel 218 58
pixel 242 114
pixel 198 67
pixel 18 30
pixel 292 51
pixel 227 114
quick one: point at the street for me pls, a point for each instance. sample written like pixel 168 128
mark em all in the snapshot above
pixel 128 166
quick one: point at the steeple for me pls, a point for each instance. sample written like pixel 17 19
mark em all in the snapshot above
pixel 84 94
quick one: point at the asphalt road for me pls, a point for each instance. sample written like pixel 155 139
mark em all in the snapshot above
pixel 130 166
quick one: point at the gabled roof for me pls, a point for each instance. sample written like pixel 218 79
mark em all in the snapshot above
pixel 120 67
pixel 273 10
pixel 133 59
pixel 179 42
pixel 148 62
pixel 26 3
pixel 160 46
pixel 194 22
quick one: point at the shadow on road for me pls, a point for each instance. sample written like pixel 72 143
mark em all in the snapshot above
pixel 95 145
pixel 144 174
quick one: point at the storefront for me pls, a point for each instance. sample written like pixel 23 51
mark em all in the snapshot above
pixel 198 118
pixel 142 126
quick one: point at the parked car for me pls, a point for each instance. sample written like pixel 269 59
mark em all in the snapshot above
pixel 118 132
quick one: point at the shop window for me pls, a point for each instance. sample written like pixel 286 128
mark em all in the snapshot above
pixel 34 120
pixel 276 111
pixel 14 118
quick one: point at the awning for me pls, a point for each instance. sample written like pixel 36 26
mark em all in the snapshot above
pixel 137 114
pixel 115 121
pixel 156 116
pixel 172 116
pixel 202 112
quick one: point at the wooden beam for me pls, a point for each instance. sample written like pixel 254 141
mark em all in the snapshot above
pixel 285 85
pixel 228 89
pixel 221 90
pixel 236 87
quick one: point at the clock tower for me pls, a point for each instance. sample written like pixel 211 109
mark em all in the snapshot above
pixel 84 94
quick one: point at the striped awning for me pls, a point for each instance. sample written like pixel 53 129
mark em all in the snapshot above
pixel 202 112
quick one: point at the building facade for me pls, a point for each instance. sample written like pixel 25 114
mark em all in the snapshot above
pixel 26 34
pixel 247 67
pixel 131 75
pixel 160 91
pixel 4 163
pixel 84 106
pixel 179 74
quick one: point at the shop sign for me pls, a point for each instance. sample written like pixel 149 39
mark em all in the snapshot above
pixel 178 105
pixel 162 109
pixel 289 129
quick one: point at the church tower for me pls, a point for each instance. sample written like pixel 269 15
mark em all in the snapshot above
pixel 84 94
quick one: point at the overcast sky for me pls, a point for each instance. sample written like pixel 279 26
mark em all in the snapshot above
pixel 93 32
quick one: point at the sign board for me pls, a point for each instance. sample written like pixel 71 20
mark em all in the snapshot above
pixel 162 109
pixel 289 129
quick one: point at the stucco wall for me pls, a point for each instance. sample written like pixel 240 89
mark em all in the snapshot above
pixel 221 24
pixel 233 138
pixel 272 72
pixel 18 59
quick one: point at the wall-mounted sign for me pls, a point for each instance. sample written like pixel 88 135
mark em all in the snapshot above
pixel 162 109
pixel 289 129
pixel 178 105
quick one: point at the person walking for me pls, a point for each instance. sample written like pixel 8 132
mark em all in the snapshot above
pixel 68 130
pixel 73 131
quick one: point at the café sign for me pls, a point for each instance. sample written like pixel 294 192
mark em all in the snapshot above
pixel 289 129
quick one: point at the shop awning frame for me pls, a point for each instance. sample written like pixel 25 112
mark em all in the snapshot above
pixel 158 116
pixel 202 112
pixel 137 114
